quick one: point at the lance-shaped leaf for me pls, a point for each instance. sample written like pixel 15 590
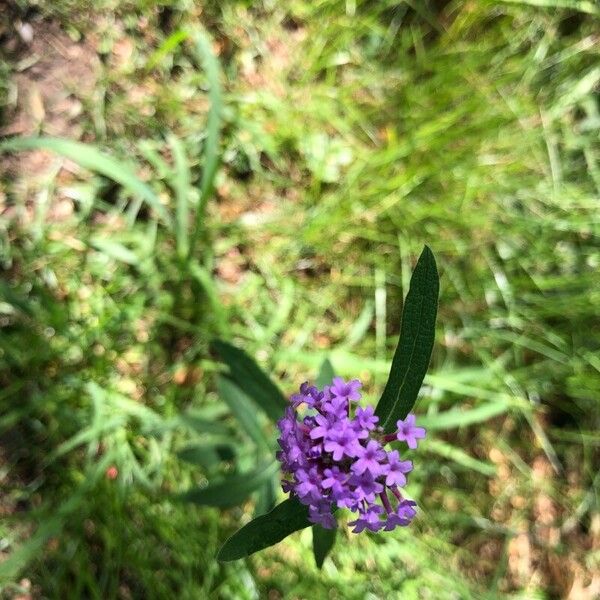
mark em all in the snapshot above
pixel 198 423
pixel 251 379
pixel 231 490
pixel 413 353
pixel 266 530
pixel 207 455
pixel 323 541
pixel 243 409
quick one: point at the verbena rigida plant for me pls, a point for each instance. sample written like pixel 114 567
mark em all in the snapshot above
pixel 334 454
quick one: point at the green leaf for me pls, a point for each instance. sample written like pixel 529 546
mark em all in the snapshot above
pixel 200 424
pixel 89 157
pixel 266 530
pixel 207 455
pixel 413 353
pixel 460 457
pixel 232 490
pixel 251 379
pixel 323 541
pixel 326 373
pixel 243 409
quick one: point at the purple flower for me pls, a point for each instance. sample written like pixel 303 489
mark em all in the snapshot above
pixel 323 425
pixel 402 516
pixel 336 407
pixel 406 509
pixel 294 454
pixel 369 459
pixel 342 441
pixel 321 515
pixel 396 469
pixel 315 451
pixel 349 390
pixel 366 486
pixel 407 432
pixel 308 486
pixel 335 480
pixel 332 458
pixel 368 519
pixel 348 498
pixel 309 394
pixel 365 418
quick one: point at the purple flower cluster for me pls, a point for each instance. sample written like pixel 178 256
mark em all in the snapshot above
pixel 335 458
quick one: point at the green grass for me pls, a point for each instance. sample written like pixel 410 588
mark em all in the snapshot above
pixel 352 134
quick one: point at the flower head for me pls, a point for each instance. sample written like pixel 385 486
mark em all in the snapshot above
pixel 334 458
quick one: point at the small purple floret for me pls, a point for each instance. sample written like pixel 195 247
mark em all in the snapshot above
pixel 368 519
pixel 365 419
pixel 407 432
pixel 370 458
pixel 347 390
pixel 332 458
pixel 397 469
pixel 402 516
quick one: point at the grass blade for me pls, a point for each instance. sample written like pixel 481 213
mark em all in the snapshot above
pixel 181 183
pixel 251 379
pixel 461 418
pixel 460 457
pixel 89 157
pixel 115 250
pixel 413 353
pixel 266 530
pixel 210 162
pixel 166 48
